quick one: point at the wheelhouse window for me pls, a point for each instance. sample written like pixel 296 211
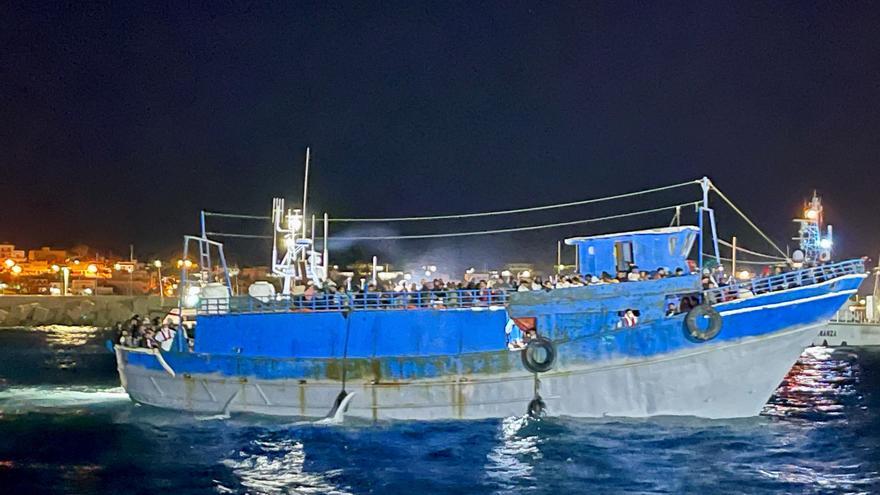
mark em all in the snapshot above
pixel 623 253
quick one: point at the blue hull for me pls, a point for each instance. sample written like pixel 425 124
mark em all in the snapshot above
pixel 403 346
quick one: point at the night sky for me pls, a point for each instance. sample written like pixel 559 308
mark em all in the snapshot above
pixel 119 122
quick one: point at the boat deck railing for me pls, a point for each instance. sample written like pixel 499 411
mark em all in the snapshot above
pixel 491 298
pixel 854 317
pixel 442 299
pixel 788 280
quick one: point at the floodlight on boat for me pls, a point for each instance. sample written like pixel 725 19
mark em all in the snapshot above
pixel 92 268
pixel 10 263
pixel 811 214
pixel 294 220
pixel 826 243
pixel 16 269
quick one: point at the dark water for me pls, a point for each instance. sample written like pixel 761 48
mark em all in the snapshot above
pixel 66 427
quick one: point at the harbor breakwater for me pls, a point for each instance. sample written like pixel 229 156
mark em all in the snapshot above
pixel 99 311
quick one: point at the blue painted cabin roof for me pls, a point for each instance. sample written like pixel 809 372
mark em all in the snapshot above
pixel 648 249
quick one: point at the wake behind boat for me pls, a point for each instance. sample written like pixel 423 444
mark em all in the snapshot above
pixel 619 346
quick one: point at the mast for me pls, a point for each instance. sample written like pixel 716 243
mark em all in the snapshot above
pixel 706 185
pixel 326 256
pixel 814 247
pixel 305 197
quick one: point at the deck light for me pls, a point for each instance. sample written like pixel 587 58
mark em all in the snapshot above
pixel 56 268
pixel 811 214
pixel 92 268
pixel 294 221
pixel 16 269
pixel 10 263
pixel 157 264
pixel 826 243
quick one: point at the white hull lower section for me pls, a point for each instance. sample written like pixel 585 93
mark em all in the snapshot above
pixel 716 381
pixel 849 334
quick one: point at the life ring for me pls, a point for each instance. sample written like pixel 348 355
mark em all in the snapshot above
pixel 692 323
pixel 539 355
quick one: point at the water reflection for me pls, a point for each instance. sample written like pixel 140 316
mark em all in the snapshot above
pixel 277 467
pixel 510 461
pixel 56 354
pixel 818 387
pixel 67 336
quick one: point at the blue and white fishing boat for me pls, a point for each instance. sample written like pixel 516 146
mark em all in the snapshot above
pixel 720 353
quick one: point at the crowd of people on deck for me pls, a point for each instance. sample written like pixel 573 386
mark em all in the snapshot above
pixel 449 293
pixel 474 292
pixel 144 332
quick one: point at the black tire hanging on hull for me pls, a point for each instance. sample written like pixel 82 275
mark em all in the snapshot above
pixel 692 323
pixel 539 355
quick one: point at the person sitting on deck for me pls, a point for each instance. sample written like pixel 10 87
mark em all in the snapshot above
pixel 451 295
pixel 628 320
pixel 707 280
pixel 514 335
pixel 165 337
pixel 537 283
pixel 687 303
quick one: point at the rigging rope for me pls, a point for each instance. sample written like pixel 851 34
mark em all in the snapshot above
pixel 507 230
pixel 469 233
pixel 743 215
pixel 235 215
pixel 472 215
pixel 746 262
pixel 760 255
pixel 516 210
pixel 241 236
